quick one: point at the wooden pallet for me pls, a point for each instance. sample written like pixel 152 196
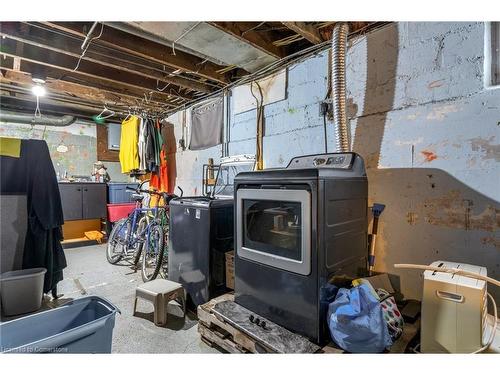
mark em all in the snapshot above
pixel 220 334
pixel 217 333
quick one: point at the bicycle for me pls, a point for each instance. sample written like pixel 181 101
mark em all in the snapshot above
pixel 141 227
pixel 153 261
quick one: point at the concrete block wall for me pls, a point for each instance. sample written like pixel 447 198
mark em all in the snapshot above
pixel 426 126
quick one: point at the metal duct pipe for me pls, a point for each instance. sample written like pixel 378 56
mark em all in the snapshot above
pixel 29 119
pixel 338 89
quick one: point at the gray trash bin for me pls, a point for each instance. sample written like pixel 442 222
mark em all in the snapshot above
pixel 21 291
pixel 84 325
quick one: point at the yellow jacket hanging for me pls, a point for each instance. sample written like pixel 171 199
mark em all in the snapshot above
pixel 129 155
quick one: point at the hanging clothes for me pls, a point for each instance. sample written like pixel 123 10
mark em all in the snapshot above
pixel 153 146
pixel 142 145
pixel 33 174
pixel 159 179
pixel 150 147
pixel 129 153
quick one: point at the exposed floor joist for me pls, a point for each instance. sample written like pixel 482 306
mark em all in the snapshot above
pixel 71 46
pixel 37 55
pixel 131 69
pixel 245 31
pixel 148 49
pixel 305 30
pixel 101 94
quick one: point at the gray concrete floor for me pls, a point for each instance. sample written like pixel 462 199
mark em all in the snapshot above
pixel 89 273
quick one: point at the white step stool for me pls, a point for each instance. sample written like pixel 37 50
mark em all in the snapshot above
pixel 160 292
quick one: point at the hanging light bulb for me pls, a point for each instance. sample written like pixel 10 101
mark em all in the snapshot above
pixel 38 90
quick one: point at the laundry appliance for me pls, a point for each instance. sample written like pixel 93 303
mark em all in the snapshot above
pixel 201 232
pixel 297 229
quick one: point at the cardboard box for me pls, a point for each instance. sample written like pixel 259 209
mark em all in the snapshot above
pixel 230 269
pixel 381 281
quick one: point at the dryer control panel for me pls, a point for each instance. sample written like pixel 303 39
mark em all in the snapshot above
pixel 333 160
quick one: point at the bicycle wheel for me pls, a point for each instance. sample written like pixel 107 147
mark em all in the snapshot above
pixel 117 240
pixel 140 243
pixel 152 256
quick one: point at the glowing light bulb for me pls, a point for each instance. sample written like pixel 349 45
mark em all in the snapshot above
pixel 38 90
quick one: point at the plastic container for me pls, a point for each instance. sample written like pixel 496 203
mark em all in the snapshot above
pixel 117 192
pixel 119 211
pixel 22 290
pixel 84 325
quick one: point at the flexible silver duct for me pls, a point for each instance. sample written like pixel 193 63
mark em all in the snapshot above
pixel 338 82
pixel 31 120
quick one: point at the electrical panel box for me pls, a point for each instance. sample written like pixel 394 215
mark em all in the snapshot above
pixel 454 310
pixel 114 134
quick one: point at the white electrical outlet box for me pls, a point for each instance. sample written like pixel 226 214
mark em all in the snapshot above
pixel 454 310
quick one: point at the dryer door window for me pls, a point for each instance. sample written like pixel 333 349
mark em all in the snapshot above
pixel 273 228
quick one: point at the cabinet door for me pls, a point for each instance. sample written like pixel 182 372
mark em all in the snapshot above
pixel 71 199
pixel 94 201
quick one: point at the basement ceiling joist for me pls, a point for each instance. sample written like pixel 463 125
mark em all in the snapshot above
pixel 41 38
pixel 248 32
pixel 156 66
pixel 135 45
pixel 306 30
pixel 100 94
pixel 207 40
pixel 67 63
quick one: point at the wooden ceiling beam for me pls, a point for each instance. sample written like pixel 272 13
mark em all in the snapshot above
pixel 71 46
pixel 148 49
pixel 244 32
pixel 306 30
pixel 23 103
pixel 79 91
pixel 68 64
pixel 75 84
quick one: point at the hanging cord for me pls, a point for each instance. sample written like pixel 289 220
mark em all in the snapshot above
pixel 260 126
pixel 86 47
pixel 326 133
pixel 38 114
pixel 456 271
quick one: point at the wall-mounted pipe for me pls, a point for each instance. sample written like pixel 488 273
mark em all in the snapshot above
pixel 31 120
pixel 338 89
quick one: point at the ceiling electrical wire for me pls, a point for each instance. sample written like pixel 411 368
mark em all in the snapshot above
pixel 253 28
pixel 183 35
pixel 283 63
pixel 114 51
pixel 89 42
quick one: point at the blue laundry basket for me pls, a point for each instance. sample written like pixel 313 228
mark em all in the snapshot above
pixel 84 325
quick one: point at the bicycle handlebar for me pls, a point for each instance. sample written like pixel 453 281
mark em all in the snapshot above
pixel 168 197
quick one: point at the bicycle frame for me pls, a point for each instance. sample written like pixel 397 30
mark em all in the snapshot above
pixel 130 240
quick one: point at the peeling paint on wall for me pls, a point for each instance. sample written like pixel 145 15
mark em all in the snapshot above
pixel 428 156
pixel 441 112
pixel 452 211
pixel 486 147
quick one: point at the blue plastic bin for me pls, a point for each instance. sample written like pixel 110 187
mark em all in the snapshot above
pixel 83 325
pixel 117 192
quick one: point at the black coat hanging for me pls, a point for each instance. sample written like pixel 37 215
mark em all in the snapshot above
pixel 33 174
